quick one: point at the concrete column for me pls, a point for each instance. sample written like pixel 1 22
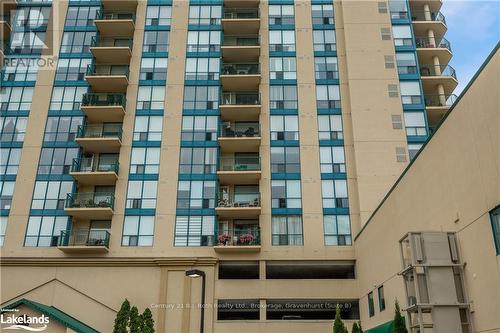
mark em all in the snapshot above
pixel 427 13
pixel 437 66
pixel 442 96
pixel 432 40
pixel 262 309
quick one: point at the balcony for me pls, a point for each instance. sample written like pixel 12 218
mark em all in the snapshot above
pixel 105 78
pixel 240 77
pixel 239 169
pixel 90 206
pixel 116 23
pixel 427 20
pixel 103 107
pixel 5 27
pixel 241 48
pixel 239 137
pixel 243 206
pixel 433 75
pixel 437 106
pixel 240 106
pixel 430 47
pixel 241 21
pixel 238 240
pixel 100 138
pixel 84 241
pixel 95 170
pixel 112 50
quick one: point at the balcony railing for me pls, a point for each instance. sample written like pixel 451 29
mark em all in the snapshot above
pixel 99 41
pixel 90 164
pixel 240 200
pixel 115 15
pixel 433 42
pixel 440 100
pixel 107 70
pixel 422 15
pixel 252 40
pixel 99 131
pixel 242 13
pixel 240 164
pixel 240 98
pixel 90 200
pixel 84 237
pixel 242 237
pixel 103 99
pixel 437 70
pixel 248 130
pixel 240 69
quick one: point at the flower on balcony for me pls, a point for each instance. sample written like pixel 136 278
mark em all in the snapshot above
pixel 223 239
pixel 246 238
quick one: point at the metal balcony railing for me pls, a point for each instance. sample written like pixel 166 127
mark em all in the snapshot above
pixel 422 15
pixel 240 98
pixel 437 70
pixel 90 200
pixel 239 200
pixel 240 69
pixel 84 237
pixel 432 42
pixel 440 100
pixel 240 163
pixel 242 13
pixel 103 99
pixel 249 130
pixel 251 40
pixel 99 41
pixel 246 236
pixel 115 15
pixel 107 70
pixel 100 131
pixel 92 164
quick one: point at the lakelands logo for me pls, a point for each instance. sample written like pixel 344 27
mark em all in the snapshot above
pixel 24 322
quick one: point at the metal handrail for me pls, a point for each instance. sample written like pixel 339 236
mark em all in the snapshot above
pixel 433 42
pixel 254 201
pixel 240 69
pixel 104 99
pixel 250 130
pixel 241 40
pixel 240 98
pixel 239 164
pixel 92 164
pixel 90 200
pixel 99 41
pixel 437 70
pixel 422 15
pixel 244 237
pixel 99 131
pixel 242 13
pixel 440 100
pixel 84 237
pixel 107 70
pixel 115 15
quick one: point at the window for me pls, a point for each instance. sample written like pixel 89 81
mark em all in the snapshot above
pixel 334 193
pixel 158 15
pixel 20 71
pixel 311 309
pixel 310 269
pixel 284 127
pixel 27 42
pixel 82 16
pixel 16 98
pixel 196 194
pixel 410 92
pixel 285 194
pixel 138 231
pixel 281 15
pixel 9 160
pixel 330 127
pixel 202 68
pixel 77 42
pixel 324 40
pixel 337 230
pixel 156 41
pixel 283 97
pixel 50 194
pixel 194 230
pixel 413 150
pixel 56 161
pixel 402 35
pixel 199 128
pixel 6 193
pixel 204 41
pixel 407 64
pixel 397 121
pixel 13 129
pixel 32 17
pixel 282 41
pixel 415 123
pixel 62 128
pixel 327 97
pixel 205 15
pixel 287 230
pixel 285 160
pixel 72 69
pixel 66 98
pixel 283 68
pixel 326 68
pixel 332 160
pixel 388 61
pixel 198 161
pixel 381 298
pixel 3 227
pixel 141 194
pixel 400 154
pixel 398 9
pixel 232 309
pixel 201 97
pixel 238 270
pixel 371 307
pixel 45 230
pixel 145 160
pixel 495 224
pixel 151 98
pixel 322 14
pixel 153 69
pixel 148 128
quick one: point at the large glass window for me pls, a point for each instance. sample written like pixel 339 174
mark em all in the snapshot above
pixel 158 15
pixel 145 160
pixel 67 98
pixel 56 161
pixel 20 71
pixel 398 9
pixel 407 63
pixel 283 68
pixel 198 160
pixel 201 97
pixel 72 69
pixel 81 16
pixel 337 230
pixel 202 68
pixel 16 98
pixel 205 15
pixel 199 128
pixel 6 193
pixel 141 194
pixel 281 14
pixel 148 128
pixel 284 127
pixel 285 194
pixel 381 298
pixel 156 41
pixel 332 160
pixel 196 194
pixel 13 129
pixel 194 230
pixel 287 230
pixel 324 40
pixel 330 127
pixel 62 128
pixel 27 42
pixel 9 160
pixel 283 97
pixel 322 14
pixel 415 123
pixel 45 230
pixel 204 41
pixel 327 97
pixel 495 224
pixel 410 92
pixel 371 306
pixel 32 17
pixel 77 41
pixel 326 68
pixel 285 160
pixel 402 35
pixel 138 231
pixel 282 40
pixel 50 194
pixel 153 69
pixel 334 193
pixel 151 98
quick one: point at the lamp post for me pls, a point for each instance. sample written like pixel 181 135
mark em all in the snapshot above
pixel 196 273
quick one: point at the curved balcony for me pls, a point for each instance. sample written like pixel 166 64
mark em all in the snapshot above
pixel 100 138
pixel 433 75
pixel 106 78
pixel 84 240
pixel 241 21
pixel 242 139
pixel 430 47
pixel 241 48
pixel 427 20
pixel 241 240
pixel 239 170
pixel 437 105
pixel 103 107
pixel 112 50
pixel 116 23
pixel 236 106
pixel 94 171
pixel 240 208
pixel 90 206
pixel 240 77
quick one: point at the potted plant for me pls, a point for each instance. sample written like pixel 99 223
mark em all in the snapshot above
pixel 223 239
pixel 246 238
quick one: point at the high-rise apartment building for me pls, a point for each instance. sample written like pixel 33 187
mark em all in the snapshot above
pixel 248 139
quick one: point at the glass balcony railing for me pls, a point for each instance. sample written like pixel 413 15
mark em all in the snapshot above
pixel 84 237
pixel 240 98
pixel 246 236
pixel 252 40
pixel 103 99
pixel 229 130
pixel 100 131
pixel 107 70
pixel 433 42
pixel 90 200
pixel 239 200
pixel 115 15
pixel 437 70
pixel 99 41
pixel 240 69
pixel 242 13
pixel 422 15
pixel 239 163
pixel 91 164
pixel 440 100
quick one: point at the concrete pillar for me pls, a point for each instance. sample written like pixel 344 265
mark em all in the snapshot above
pixel 427 13
pixel 442 96
pixel 437 66
pixel 431 39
